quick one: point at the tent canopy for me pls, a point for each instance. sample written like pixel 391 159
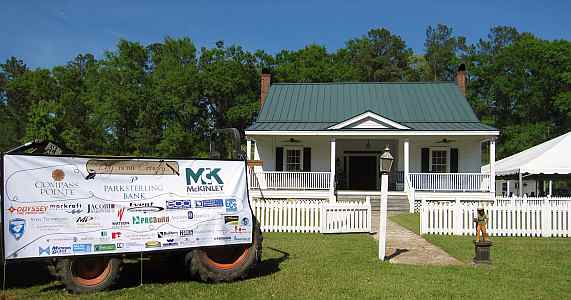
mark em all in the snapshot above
pixel 551 157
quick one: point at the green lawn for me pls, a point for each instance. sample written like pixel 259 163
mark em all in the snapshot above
pixel 308 266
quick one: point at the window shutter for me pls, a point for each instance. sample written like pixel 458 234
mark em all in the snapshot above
pixel 454 160
pixel 307 159
pixel 279 158
pixel 424 158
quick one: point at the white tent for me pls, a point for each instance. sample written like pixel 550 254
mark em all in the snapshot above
pixel 551 157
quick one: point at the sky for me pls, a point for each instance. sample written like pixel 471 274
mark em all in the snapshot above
pixel 49 33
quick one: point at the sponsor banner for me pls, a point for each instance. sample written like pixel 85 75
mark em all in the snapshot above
pixel 62 206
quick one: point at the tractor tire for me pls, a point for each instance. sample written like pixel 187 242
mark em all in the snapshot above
pixel 88 274
pixel 226 263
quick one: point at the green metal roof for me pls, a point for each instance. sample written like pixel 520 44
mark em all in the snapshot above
pixel 296 126
pixel 317 106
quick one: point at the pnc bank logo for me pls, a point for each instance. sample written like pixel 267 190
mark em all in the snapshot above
pixel 204 180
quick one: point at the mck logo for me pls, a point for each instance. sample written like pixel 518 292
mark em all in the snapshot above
pixel 204 180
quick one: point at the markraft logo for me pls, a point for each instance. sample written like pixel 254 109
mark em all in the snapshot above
pixel 204 180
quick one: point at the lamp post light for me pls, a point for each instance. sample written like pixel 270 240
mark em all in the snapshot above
pixel 385 165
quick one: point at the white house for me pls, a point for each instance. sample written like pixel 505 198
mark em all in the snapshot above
pixel 322 141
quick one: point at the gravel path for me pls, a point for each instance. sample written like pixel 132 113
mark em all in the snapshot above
pixel 406 247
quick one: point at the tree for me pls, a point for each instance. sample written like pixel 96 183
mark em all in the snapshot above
pixel 230 83
pixel 379 56
pixel 444 51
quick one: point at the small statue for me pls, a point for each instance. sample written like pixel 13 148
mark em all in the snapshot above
pixel 481 225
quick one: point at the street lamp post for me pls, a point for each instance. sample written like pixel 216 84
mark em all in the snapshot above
pixel 386 162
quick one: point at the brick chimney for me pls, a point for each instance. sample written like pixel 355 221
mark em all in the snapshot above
pixel 264 88
pixel 461 78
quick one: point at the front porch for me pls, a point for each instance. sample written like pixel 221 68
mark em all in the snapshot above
pixel 333 167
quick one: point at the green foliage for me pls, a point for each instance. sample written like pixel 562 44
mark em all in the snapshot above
pixel 444 51
pixel 164 98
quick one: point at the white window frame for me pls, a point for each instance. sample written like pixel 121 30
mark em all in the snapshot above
pixel 285 164
pixel 447 150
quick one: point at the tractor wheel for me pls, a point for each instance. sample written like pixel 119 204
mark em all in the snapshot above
pixel 226 263
pixel 88 274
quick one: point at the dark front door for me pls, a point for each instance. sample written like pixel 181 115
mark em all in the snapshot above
pixel 362 173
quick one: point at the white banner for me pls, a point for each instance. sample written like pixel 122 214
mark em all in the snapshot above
pixel 60 206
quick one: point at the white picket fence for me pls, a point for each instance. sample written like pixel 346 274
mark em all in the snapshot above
pixel 505 219
pixel 312 216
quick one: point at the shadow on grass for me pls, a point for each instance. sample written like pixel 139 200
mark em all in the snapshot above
pixel 269 266
pixel 165 269
pixel 396 253
pixel 23 274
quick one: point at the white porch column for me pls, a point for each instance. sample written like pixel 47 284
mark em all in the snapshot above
pixel 256 153
pixel 508 188
pixel 406 162
pixel 248 149
pixel 332 170
pixel 550 186
pixel 493 167
pixel 520 184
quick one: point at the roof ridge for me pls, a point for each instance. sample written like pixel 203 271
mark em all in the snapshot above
pixel 368 82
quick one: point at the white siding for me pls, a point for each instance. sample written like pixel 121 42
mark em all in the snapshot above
pixel 469 150
pixel 320 151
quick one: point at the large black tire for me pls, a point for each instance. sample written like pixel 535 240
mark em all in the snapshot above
pixel 88 274
pixel 226 263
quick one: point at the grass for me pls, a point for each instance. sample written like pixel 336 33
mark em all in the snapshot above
pixel 309 266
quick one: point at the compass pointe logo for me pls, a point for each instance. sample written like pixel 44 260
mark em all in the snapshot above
pixel 58 175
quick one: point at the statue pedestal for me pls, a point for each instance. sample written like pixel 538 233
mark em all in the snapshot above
pixel 482 250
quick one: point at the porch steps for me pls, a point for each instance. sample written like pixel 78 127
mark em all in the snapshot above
pixel 395 202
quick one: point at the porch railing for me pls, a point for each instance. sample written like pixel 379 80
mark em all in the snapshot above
pixel 477 182
pixel 290 180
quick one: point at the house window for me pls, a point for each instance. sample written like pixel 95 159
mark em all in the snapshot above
pixel 439 161
pixel 293 160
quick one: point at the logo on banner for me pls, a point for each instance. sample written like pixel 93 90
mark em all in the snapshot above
pixel 105 247
pixel 100 208
pixel 231 220
pixel 144 207
pixel 81 248
pixel 245 221
pixel 170 243
pixel 231 205
pixel 44 251
pixel 84 220
pixel 149 220
pixel 152 244
pixel 115 235
pixel 204 180
pixel 58 175
pixel 58 250
pixel 28 210
pixel 165 234
pixel 120 214
pixel 208 203
pixel 179 204
pixel 58 187
pixel 17 227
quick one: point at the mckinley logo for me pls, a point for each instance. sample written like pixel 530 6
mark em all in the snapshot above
pixel 204 180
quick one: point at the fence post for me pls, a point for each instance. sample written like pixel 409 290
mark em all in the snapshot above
pixel 323 218
pixel 457 217
pixel 423 219
pixel 369 213
pixel 546 218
